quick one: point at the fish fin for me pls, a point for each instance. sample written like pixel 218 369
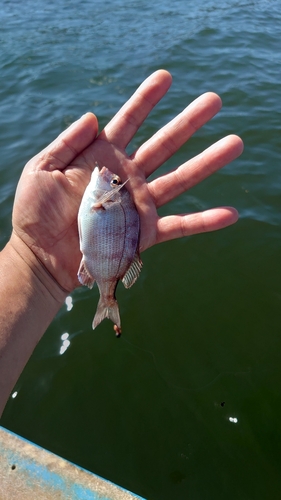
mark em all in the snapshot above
pixel 133 272
pixel 107 310
pixel 84 276
pixel 107 196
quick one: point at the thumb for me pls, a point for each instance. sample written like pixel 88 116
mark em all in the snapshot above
pixel 69 144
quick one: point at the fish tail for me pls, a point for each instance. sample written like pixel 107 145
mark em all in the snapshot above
pixel 108 310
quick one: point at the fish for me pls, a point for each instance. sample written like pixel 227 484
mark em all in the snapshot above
pixel 109 235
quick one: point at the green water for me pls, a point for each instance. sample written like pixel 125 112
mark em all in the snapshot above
pixel 187 404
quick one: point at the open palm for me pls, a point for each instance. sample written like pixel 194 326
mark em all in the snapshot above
pixel 52 183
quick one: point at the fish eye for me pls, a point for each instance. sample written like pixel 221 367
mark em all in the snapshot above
pixel 116 181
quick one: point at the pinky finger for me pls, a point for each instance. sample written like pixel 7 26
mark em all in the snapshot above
pixel 178 226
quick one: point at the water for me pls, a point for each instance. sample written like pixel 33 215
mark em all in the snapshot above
pixel 187 404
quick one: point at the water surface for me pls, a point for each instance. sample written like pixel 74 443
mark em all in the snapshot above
pixel 187 404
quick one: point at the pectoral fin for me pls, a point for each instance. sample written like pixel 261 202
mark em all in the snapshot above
pixel 84 276
pixel 133 272
pixel 107 196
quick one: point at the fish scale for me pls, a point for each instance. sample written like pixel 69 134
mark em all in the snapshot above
pixel 107 249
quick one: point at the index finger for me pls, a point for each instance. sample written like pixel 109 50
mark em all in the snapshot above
pixel 123 126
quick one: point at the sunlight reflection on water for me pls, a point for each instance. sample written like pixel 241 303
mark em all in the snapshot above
pixel 69 303
pixel 65 342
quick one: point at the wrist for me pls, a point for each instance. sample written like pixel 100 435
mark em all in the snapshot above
pixel 32 272
pixel 30 299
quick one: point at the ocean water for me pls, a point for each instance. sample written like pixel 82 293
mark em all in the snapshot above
pixel 187 404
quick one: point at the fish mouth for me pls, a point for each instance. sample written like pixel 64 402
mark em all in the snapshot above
pixel 103 169
pixel 104 172
pixel 101 173
pixel 100 170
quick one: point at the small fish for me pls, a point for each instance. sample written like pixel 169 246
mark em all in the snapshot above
pixel 109 229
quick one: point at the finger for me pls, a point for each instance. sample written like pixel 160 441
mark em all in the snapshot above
pixel 177 226
pixel 172 136
pixel 127 121
pixel 165 188
pixel 72 141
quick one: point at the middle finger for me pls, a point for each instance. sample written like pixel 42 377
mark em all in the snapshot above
pixel 162 145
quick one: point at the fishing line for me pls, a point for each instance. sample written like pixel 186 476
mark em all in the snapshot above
pixel 201 388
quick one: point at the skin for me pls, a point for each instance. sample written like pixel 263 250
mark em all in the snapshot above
pixel 38 266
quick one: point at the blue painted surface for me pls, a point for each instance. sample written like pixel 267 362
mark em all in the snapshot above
pixel 34 468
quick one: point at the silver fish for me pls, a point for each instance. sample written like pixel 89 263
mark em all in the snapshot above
pixel 109 229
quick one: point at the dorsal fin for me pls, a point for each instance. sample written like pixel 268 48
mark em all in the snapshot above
pixel 133 272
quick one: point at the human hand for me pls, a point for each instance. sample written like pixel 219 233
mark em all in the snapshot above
pixel 52 183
